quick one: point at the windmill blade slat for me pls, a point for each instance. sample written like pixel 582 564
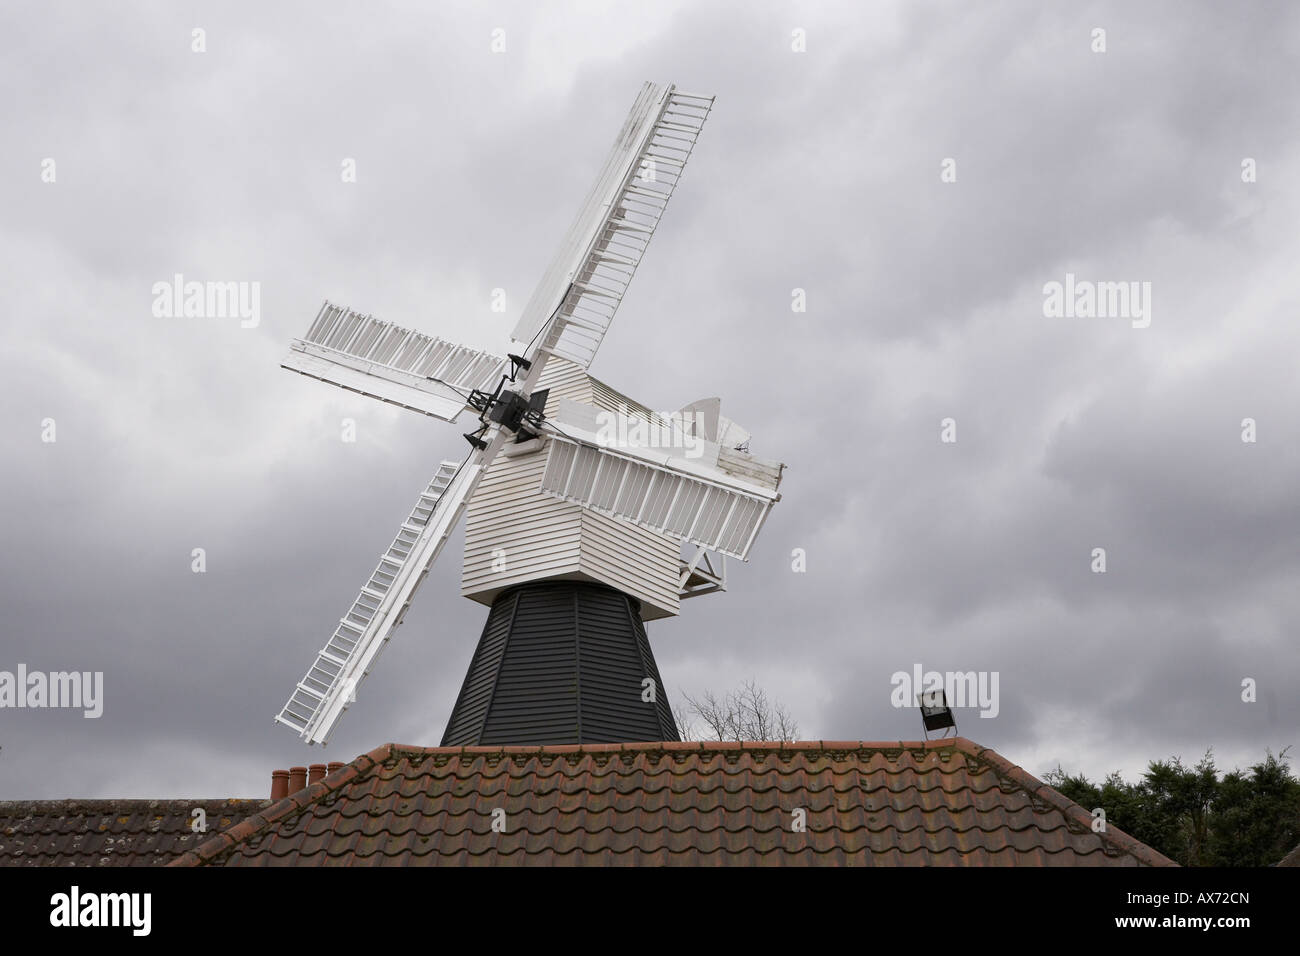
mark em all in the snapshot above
pixel 397 365
pixel 655 496
pixel 659 113
pixel 324 693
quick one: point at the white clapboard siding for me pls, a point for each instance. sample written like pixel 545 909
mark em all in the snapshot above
pixel 636 561
pixel 609 399
pixel 543 537
pixel 565 380
pixel 506 513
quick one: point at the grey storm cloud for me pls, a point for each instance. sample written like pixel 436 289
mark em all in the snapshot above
pixel 817 171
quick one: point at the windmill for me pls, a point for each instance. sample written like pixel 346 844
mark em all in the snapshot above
pixel 588 513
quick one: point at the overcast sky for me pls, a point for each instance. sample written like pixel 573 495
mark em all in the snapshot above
pixel 819 170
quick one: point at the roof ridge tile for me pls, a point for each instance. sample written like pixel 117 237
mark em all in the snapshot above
pixel 207 851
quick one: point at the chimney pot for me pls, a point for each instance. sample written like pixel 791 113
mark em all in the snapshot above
pixel 297 778
pixel 316 773
pixel 279 784
pixel 334 765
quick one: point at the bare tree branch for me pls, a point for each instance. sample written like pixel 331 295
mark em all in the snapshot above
pixel 745 714
pixel 685 726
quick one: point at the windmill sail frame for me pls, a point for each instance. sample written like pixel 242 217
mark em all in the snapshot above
pixel 574 304
pixel 330 685
pixel 401 366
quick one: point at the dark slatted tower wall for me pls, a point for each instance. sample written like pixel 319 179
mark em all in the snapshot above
pixel 561 662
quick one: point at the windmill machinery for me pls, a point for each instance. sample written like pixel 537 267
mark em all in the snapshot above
pixel 588 514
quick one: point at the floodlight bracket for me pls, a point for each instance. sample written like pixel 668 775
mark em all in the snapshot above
pixel 517 364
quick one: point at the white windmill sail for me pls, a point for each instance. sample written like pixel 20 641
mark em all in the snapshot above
pixel 397 365
pixel 582 288
pixel 330 685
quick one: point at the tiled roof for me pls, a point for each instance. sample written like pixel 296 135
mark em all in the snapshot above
pixel 110 832
pixel 939 803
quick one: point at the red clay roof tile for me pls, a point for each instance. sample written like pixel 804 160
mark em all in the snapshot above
pixel 111 832
pixel 933 803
